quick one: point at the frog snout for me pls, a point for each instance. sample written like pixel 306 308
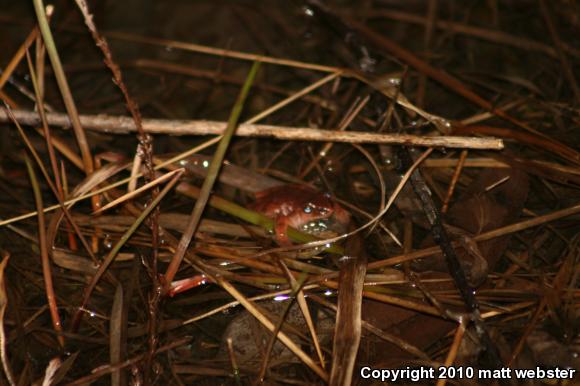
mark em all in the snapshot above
pixel 339 221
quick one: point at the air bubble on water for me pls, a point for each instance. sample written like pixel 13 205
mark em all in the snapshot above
pixel 280 298
pixel 168 48
pixel 107 242
pixel 328 293
pixel 395 81
pixel 205 163
pixel 308 11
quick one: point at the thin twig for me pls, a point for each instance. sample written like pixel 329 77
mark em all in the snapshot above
pixel 123 125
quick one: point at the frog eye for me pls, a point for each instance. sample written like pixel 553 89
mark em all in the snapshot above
pixel 308 208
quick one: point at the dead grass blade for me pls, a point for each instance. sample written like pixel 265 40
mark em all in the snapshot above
pixel 63 86
pixel 453 183
pixel 3 305
pixel 45 129
pixel 301 300
pixel 50 372
pixel 11 66
pixel 64 368
pixel 454 348
pixel 138 191
pixel 232 355
pixel 116 337
pixel 43 242
pixel 347 333
pixel 220 52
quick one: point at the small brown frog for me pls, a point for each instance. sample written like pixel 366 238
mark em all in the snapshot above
pixel 300 207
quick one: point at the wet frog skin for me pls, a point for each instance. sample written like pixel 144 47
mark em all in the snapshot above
pixel 300 207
